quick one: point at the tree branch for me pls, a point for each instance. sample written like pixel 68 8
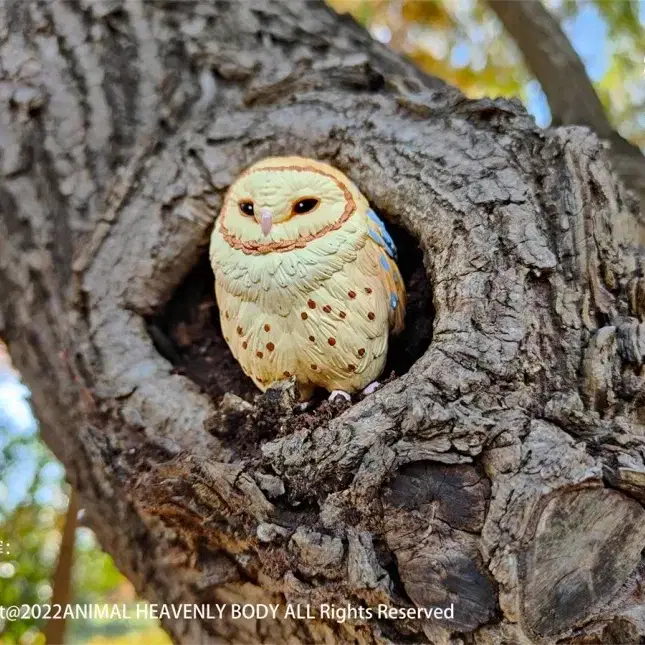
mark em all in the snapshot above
pixel 62 582
pixel 571 96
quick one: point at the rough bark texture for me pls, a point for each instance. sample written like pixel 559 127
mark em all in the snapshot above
pixel 504 471
pixel 571 96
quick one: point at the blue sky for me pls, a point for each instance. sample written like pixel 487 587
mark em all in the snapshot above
pixel 588 34
pixel 17 421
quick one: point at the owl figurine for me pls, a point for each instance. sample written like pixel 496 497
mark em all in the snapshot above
pixel 306 279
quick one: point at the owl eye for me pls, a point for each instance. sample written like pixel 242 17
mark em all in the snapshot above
pixel 247 208
pixel 305 205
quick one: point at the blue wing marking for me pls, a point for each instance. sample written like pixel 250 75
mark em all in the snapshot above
pixel 394 301
pixel 380 234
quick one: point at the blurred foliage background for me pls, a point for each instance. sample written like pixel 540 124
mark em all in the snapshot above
pixel 33 505
pixel 461 41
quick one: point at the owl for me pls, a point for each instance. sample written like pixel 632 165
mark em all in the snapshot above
pixel 306 279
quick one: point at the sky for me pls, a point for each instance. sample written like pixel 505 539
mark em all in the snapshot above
pixel 17 422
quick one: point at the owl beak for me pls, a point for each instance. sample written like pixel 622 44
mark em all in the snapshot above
pixel 266 221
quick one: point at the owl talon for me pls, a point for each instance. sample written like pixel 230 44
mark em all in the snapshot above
pixel 372 387
pixel 304 406
pixel 339 393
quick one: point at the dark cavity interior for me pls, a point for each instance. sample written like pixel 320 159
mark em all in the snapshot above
pixel 188 333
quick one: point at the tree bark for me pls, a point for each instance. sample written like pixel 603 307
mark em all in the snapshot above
pixel 503 472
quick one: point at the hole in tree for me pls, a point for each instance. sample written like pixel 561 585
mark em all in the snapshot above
pixel 189 335
pixel 188 331
pixel 412 342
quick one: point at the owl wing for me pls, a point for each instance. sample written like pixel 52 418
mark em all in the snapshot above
pixel 379 234
pixel 383 254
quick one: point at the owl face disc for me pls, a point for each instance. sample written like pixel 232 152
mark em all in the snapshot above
pixel 285 203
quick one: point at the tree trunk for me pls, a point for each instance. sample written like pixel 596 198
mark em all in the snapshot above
pixel 502 472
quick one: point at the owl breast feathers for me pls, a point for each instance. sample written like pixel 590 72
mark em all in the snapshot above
pixel 305 277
